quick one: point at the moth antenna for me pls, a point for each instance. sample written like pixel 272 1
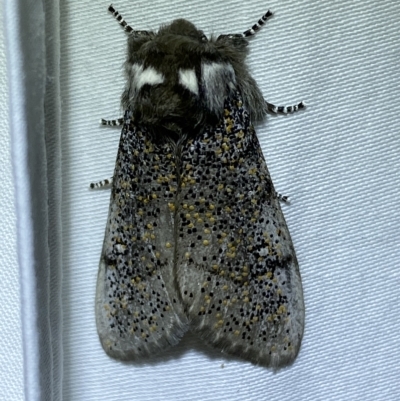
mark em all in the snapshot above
pixel 271 108
pixel 118 17
pixel 256 27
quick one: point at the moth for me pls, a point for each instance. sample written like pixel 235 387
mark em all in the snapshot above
pixel 195 237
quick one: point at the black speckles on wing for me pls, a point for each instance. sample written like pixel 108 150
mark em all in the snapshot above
pixel 237 270
pixel 138 309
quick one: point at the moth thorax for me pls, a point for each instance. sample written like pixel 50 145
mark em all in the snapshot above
pixel 179 96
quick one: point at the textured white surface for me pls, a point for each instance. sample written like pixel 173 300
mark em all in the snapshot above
pixel 338 160
pixel 11 364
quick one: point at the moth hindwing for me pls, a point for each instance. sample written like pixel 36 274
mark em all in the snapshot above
pixel 195 237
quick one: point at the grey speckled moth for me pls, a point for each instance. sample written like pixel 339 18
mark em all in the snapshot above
pixel 195 237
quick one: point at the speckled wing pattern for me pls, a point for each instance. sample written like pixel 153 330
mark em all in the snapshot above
pixel 236 267
pixel 196 238
pixel 138 308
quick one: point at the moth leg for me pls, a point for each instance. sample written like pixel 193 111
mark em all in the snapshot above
pixel 271 108
pixel 282 198
pixel 101 184
pixel 112 123
pixel 257 26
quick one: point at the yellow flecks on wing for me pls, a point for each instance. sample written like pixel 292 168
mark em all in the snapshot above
pixel 281 310
pixel 149 148
pixel 124 184
pixel 219 324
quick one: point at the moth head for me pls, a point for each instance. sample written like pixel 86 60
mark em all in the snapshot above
pixel 178 79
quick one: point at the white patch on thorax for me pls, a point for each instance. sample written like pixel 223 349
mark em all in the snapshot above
pixel 145 76
pixel 188 79
pixel 218 81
